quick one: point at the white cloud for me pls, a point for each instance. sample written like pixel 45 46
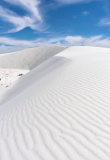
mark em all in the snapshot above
pixel 30 6
pixel 9 44
pixel 14 42
pixel 97 41
pixel 8 49
pixel 85 13
pixel 104 22
pixel 74 40
pixel 33 19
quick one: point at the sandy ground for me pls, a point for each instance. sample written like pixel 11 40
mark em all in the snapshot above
pixel 8 78
pixel 60 110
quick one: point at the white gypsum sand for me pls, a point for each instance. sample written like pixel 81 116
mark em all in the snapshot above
pixel 8 77
pixel 14 65
pixel 60 109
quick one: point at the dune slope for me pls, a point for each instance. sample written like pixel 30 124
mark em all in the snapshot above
pixel 28 58
pixel 14 65
pixel 60 109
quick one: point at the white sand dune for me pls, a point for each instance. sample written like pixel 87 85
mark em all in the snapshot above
pixel 21 62
pixel 28 58
pixel 60 110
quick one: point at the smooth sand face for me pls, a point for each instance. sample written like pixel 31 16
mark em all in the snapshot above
pixel 60 109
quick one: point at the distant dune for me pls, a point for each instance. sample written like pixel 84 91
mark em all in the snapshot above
pixel 28 58
pixel 58 106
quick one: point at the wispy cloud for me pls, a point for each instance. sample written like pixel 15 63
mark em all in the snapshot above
pixel 85 13
pixel 14 42
pixel 30 6
pixel 98 41
pixel 74 40
pixel 104 22
pixel 33 18
pixel 9 44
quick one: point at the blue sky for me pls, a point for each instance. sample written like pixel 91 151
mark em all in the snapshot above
pixel 32 23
